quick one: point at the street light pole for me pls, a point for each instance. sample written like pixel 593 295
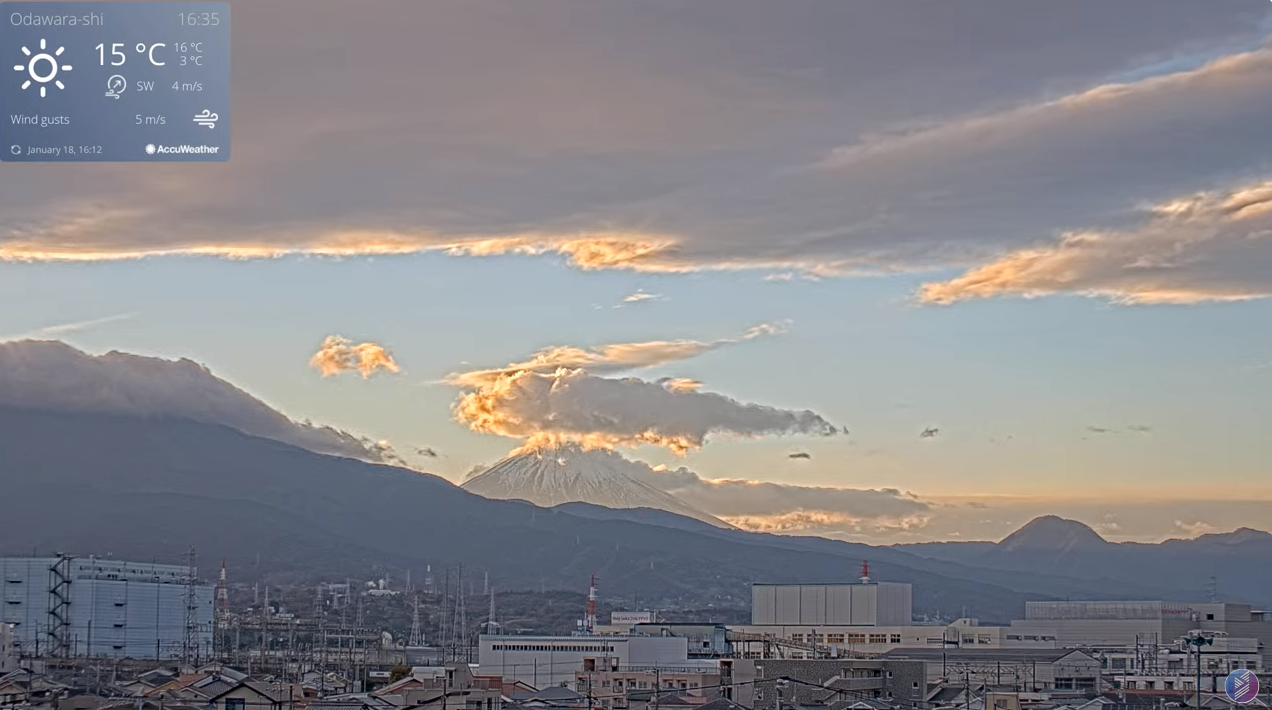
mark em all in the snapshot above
pixel 1196 640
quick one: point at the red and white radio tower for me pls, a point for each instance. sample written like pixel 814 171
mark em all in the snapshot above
pixel 589 623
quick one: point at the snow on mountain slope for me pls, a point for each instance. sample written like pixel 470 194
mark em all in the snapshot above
pixel 567 474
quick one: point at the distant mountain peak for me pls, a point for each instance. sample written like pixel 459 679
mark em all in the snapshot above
pixel 569 473
pixel 1236 537
pixel 1051 532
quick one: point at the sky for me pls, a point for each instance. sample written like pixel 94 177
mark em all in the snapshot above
pixel 1043 230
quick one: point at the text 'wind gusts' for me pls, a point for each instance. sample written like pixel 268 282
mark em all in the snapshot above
pixel 545 401
pixel 339 355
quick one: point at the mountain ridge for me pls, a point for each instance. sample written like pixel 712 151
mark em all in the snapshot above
pixel 150 487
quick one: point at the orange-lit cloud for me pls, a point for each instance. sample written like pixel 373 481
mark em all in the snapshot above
pixel 573 406
pixel 981 185
pixel 558 397
pixel 788 177
pixel 826 522
pixel 339 355
pixel 1209 247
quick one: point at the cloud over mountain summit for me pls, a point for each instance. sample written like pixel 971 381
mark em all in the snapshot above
pixel 51 375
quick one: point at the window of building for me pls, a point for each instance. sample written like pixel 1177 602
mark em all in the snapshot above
pixel 1013 637
pixel 894 638
pixel 1118 664
pixel 797 638
pixel 983 639
pixel 1210 617
pixel 856 638
pixel 235 704
pixel 834 638
pixel 878 638
pixel 1251 665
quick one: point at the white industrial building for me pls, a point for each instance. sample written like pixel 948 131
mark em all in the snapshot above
pixel 544 661
pixel 964 633
pixel 103 607
pixel 1143 624
pixel 865 617
pixel 864 604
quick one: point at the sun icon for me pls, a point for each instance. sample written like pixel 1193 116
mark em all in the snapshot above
pixel 32 68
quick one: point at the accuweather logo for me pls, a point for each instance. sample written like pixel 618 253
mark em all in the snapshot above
pixel 152 149
pixel 1241 686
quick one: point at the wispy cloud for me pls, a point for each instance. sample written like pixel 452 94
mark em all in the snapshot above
pixel 63 329
pixel 611 358
pixel 642 297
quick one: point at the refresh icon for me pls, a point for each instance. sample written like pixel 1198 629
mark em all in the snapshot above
pixel 115 86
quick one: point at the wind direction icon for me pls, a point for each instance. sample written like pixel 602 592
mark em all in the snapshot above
pixel 206 118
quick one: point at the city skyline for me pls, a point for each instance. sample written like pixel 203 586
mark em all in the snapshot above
pixel 1053 253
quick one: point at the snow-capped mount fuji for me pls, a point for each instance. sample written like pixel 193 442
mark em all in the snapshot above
pixel 571 474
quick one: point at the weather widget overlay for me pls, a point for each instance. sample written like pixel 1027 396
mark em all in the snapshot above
pixel 115 81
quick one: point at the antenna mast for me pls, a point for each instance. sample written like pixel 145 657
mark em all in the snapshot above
pixel 190 644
